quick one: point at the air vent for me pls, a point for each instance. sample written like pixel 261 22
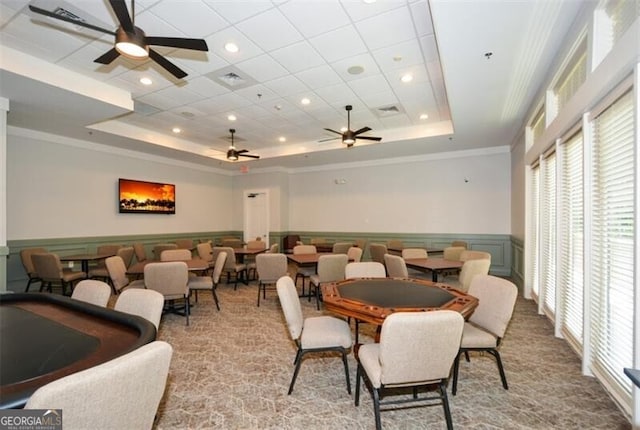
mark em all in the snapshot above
pixel 390 110
pixel 231 78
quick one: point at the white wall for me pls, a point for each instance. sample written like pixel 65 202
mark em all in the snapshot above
pixel 58 187
pixel 462 192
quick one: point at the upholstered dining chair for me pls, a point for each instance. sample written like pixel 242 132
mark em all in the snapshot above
pixel 205 252
pixel 395 244
pixel 270 268
pixel 416 349
pixel 462 243
pixel 453 253
pixel 175 255
pixel 470 269
pixel 101 272
pixel 341 247
pixel 396 267
pixel 184 244
pixel 141 254
pixel 200 283
pixel 364 269
pixel 231 265
pixel 158 249
pixel 488 323
pixel 49 269
pixel 171 280
pixel 118 275
pixel 232 243
pixel 274 248
pixel 304 272
pixel 474 255
pixel 144 303
pixel 331 268
pixel 92 291
pixel 250 260
pixel 312 335
pixel 408 253
pixel 27 263
pixel 123 393
pixel 378 251
pixel 355 254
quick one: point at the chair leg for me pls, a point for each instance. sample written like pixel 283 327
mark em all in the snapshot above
pixel 357 329
pixel 358 375
pixel 215 297
pixel 259 286
pixel 503 377
pixel 376 408
pixel 298 362
pixel 346 370
pixel 456 364
pixel 317 288
pixel 187 310
pixel 442 387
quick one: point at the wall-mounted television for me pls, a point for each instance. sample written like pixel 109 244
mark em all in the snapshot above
pixel 146 197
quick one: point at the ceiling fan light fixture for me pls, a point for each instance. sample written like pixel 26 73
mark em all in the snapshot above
pixel 132 45
pixel 232 154
pixel 348 137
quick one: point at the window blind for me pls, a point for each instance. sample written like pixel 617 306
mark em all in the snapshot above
pixel 612 246
pixel 548 239
pixel 532 236
pixel 538 125
pixel 622 14
pixel 574 77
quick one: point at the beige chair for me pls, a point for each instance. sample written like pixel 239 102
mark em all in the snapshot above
pixel 184 244
pixel 118 275
pixel 147 304
pixel 354 254
pixel 141 254
pixel 27 263
pixel 274 248
pixel 124 252
pixel 470 269
pixel 49 269
pixel 175 255
pixel 378 251
pixel 396 267
pixel 200 283
pixel 341 247
pixel 205 252
pixel 488 323
pixel 453 253
pixel 474 255
pixel 231 243
pixel 250 260
pixel 171 280
pixel 304 272
pixel 462 243
pixel 362 244
pixel 92 291
pixel 395 244
pixel 231 266
pixel 99 271
pixel 270 268
pixel 365 269
pixel 408 253
pixel 331 268
pixel 158 249
pixel 315 334
pixel 318 241
pixel 123 393
pixel 416 350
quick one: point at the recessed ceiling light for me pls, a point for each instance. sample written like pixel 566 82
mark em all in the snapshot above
pixel 282 139
pixel 407 78
pixel 146 81
pixel 305 101
pixel 176 130
pixel 232 117
pixel 231 47
pixel 424 116
pixel 397 58
pixel 355 70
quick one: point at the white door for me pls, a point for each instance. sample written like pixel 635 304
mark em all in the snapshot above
pixel 256 215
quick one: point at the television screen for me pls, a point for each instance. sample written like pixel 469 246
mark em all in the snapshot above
pixel 146 197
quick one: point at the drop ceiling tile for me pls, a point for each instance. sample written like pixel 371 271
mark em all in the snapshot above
pixel 399 56
pixel 373 100
pixel 435 70
pixel 270 30
pixel 193 18
pixel 188 113
pixel 205 87
pixel 338 44
pixel 387 29
pixel 366 61
pixel 155 26
pixel 336 94
pixel 371 84
pixel 418 72
pixel 421 17
pixel 262 68
pixel 324 16
pixel 318 77
pixel 396 121
pixel 221 103
pixel 359 10
pixel 257 93
pixel 286 85
pixel 6 13
pixel 198 61
pixel 247 49
pixel 235 11
pixel 298 56
pixel 429 48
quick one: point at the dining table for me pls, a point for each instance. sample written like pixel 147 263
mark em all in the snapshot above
pixel 433 265
pixel 241 253
pixel 84 259
pixel 193 265
pixel 430 250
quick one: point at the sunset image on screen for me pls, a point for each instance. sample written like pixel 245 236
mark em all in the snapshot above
pixel 140 196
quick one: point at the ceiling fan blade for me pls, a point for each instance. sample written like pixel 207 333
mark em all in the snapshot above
pixel 107 57
pixel 327 140
pixel 333 131
pixel 362 130
pixel 242 151
pixel 377 139
pixel 70 20
pixel 120 9
pixel 179 42
pixel 167 65
pixel 249 156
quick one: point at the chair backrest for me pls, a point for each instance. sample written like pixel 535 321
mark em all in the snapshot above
pixel 108 249
pixel 289 241
pixel 169 279
pixel 256 244
pixel 230 262
pixel 474 255
pixel 497 298
pixel 378 251
pixel 365 269
pixel 184 244
pixel 331 268
pixel 117 272
pixel 205 251
pixel 471 269
pixel 25 258
pixel 145 303
pixel 92 291
pixel 271 267
pixel 126 253
pixel 341 247
pixel 124 392
pixel 141 254
pixel 395 244
pixel 290 303
pixel 317 240
pixel 232 243
pixel 453 253
pixel 305 249
pixel 48 266
pixel 419 346
pixel 414 253
pixel 355 254
pixel 462 243
pixel 274 248
pixel 158 249
pixel 361 243
pixel 221 258
pixel 396 267
pixel 175 255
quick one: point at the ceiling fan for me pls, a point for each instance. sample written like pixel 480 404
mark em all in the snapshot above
pixel 349 137
pixel 130 40
pixel 233 154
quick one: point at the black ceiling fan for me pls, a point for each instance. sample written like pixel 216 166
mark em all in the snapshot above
pixel 349 137
pixel 130 40
pixel 233 154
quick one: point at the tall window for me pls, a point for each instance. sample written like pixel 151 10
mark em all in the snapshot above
pixel 548 238
pixel 572 78
pixel 612 246
pixel 532 236
pixel 570 273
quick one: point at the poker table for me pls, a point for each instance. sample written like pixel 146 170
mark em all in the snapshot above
pixel 44 337
pixel 372 300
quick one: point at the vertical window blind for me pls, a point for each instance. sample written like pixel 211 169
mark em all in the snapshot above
pixel 571 222
pixel 612 246
pixel 548 239
pixel 532 236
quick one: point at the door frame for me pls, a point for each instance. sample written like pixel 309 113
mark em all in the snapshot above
pixel 245 207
